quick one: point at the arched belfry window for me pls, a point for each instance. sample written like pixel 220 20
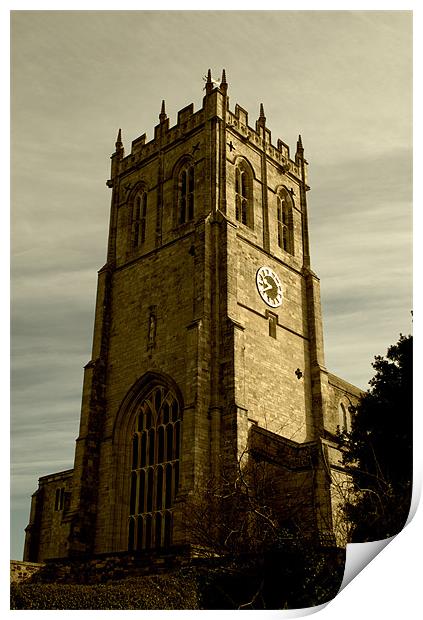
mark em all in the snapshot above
pixel 139 219
pixel 244 194
pixel 186 193
pixel 156 437
pixel 285 221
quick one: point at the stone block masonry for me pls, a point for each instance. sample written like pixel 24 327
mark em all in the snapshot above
pixel 187 354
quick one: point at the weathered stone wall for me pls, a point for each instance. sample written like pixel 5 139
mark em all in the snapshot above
pixel 340 393
pixel 266 385
pixel 290 468
pixel 266 382
pixel 343 397
pixel 211 336
pixel 48 529
pixel 164 280
pixel 166 276
pixel 24 571
pixel 98 569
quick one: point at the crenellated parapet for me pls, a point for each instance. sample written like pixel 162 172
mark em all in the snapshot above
pixel 164 137
pixel 215 105
pixel 261 139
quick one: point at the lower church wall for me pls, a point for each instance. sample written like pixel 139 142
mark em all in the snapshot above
pixel 99 568
pixel 340 393
pixel 48 530
pixel 341 488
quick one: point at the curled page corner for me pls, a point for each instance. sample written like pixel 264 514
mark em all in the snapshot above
pixel 273 614
pixel 359 555
pixel 415 498
pixel 305 611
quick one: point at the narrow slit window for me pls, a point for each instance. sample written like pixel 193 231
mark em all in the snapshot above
pixel 243 195
pixel 59 500
pixel 143 219
pixel 139 220
pixel 62 498
pixel 136 221
pixel 272 326
pixel 56 502
pixel 186 194
pixel 285 222
pixel 344 418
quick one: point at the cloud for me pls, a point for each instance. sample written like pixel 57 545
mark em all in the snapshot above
pixel 361 245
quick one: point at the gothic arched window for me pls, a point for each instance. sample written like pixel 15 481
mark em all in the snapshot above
pixel 285 221
pixel 344 418
pixel 154 470
pixel 139 220
pixel 186 193
pixel 244 195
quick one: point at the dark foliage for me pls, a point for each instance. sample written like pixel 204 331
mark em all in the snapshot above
pixel 169 591
pixel 379 448
pixel 294 578
pixel 263 544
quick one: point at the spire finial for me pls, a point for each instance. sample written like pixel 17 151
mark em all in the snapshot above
pixel 119 152
pixel 224 84
pixel 300 150
pixel 209 82
pixel 261 122
pixel 162 115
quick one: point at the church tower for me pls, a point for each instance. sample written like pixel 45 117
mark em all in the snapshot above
pixel 207 338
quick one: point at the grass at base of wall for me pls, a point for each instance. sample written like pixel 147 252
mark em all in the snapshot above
pixel 170 591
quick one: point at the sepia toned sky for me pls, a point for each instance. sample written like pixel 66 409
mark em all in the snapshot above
pixel 341 79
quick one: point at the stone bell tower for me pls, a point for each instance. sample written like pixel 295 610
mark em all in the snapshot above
pixel 207 337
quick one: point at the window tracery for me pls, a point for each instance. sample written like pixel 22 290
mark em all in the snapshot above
pixel 154 470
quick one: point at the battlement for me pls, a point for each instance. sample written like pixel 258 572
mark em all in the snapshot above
pixel 238 121
pixel 188 121
pixel 215 104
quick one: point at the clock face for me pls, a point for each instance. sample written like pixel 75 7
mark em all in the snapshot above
pixel 269 286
